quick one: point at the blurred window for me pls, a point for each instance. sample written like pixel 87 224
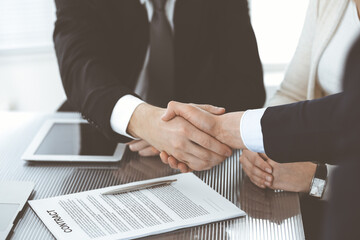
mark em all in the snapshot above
pixel 277 25
pixel 26 24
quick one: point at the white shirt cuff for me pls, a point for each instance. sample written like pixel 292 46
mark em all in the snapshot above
pixel 251 131
pixel 122 112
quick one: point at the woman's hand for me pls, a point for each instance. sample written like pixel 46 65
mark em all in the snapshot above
pixel 257 168
pixel 264 172
pixel 293 177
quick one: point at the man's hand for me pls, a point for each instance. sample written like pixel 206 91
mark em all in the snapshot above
pixel 256 167
pixel 177 137
pixel 143 148
pixel 175 164
pixel 225 128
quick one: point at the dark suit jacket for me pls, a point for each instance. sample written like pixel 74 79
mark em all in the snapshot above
pixel 325 130
pixel 101 46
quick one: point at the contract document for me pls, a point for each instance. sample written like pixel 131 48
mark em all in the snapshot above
pixel 91 215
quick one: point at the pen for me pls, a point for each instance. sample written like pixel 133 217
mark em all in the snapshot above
pixel 139 187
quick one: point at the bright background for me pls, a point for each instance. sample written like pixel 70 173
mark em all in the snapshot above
pixel 29 75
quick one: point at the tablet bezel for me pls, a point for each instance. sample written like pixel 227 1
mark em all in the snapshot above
pixel 29 154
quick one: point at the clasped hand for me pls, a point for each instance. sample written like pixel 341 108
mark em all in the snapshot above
pixel 223 127
pixel 189 137
pixel 198 137
pixel 177 137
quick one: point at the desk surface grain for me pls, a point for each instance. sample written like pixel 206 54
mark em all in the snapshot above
pixel 270 215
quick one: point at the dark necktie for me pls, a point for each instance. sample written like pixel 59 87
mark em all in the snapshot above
pixel 161 60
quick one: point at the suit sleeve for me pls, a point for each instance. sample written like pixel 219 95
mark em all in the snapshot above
pixel 90 82
pixel 241 57
pixel 324 130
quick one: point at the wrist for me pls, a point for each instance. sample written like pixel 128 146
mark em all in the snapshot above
pixel 229 130
pixel 311 169
pixel 140 120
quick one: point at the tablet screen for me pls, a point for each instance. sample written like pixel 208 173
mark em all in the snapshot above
pixel 75 139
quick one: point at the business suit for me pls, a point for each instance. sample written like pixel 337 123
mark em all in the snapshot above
pixel 101 46
pixel 325 130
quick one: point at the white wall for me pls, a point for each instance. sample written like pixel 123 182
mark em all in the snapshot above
pixel 30 82
pixel 277 25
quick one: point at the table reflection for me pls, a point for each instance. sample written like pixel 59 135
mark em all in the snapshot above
pixel 266 204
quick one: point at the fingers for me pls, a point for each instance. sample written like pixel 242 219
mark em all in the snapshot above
pixel 194 161
pixel 184 168
pixel 149 152
pixel 263 156
pixel 182 109
pixel 175 164
pixel 164 157
pixel 199 158
pixel 196 116
pixel 260 160
pixel 263 165
pixel 199 118
pixel 210 108
pixel 143 148
pixel 195 157
pixel 271 162
pixel 191 145
pixel 253 167
pixel 138 145
pixel 133 141
pixel 186 111
pixel 173 109
pixel 208 142
pixel 258 181
pixel 199 149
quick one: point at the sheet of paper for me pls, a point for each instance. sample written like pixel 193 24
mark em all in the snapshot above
pixel 88 215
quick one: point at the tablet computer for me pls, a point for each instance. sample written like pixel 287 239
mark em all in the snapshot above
pixel 72 140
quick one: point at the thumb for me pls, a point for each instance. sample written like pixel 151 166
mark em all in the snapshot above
pixel 180 109
pixel 168 115
pixel 173 109
pixel 210 108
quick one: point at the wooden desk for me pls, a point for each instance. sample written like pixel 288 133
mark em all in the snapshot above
pixel 271 215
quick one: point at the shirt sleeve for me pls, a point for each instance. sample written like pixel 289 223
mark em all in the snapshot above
pixel 122 112
pixel 250 130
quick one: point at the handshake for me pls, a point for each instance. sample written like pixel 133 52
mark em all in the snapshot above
pixel 187 136
pixel 198 137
